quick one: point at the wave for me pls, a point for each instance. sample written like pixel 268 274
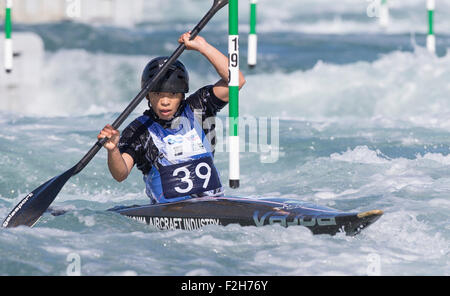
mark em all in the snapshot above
pixel 310 16
pixel 404 86
pixel 408 86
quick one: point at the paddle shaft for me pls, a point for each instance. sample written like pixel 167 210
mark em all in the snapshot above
pixel 218 4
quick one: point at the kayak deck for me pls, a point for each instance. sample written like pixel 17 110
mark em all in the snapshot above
pixel 195 213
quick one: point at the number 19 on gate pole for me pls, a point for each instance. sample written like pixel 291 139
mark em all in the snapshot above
pixel 233 86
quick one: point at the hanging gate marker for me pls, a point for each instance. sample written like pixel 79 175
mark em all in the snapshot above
pixel 252 37
pixel 384 14
pixel 8 40
pixel 233 86
pixel 431 39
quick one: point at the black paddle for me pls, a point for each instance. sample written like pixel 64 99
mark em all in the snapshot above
pixel 30 209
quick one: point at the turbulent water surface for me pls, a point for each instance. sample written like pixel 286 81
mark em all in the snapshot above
pixel 360 116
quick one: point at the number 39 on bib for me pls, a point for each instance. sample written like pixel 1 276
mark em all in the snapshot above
pixel 194 177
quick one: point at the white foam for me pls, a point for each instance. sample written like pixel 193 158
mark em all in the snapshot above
pixel 437 157
pixel 124 273
pixel 400 86
pixel 328 194
pixel 198 272
pixel 440 203
pixel 75 82
pixel 361 172
pixel 343 17
pixel 414 90
pixel 361 154
pixel 414 237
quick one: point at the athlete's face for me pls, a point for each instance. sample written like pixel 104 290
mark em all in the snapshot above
pixel 165 104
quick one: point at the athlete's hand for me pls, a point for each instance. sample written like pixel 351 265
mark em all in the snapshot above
pixel 195 44
pixel 113 136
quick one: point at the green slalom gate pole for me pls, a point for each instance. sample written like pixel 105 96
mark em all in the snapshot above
pixel 384 14
pixel 431 39
pixel 8 40
pixel 252 37
pixel 233 85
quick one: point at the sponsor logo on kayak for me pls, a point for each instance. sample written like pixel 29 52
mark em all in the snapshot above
pixel 270 218
pixel 172 223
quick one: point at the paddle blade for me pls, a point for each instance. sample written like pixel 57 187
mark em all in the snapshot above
pixel 30 209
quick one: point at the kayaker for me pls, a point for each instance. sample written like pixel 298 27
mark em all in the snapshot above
pixel 172 143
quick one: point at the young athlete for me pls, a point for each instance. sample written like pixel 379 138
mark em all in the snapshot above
pixel 169 142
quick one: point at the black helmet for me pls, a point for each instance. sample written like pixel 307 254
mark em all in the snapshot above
pixel 175 80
